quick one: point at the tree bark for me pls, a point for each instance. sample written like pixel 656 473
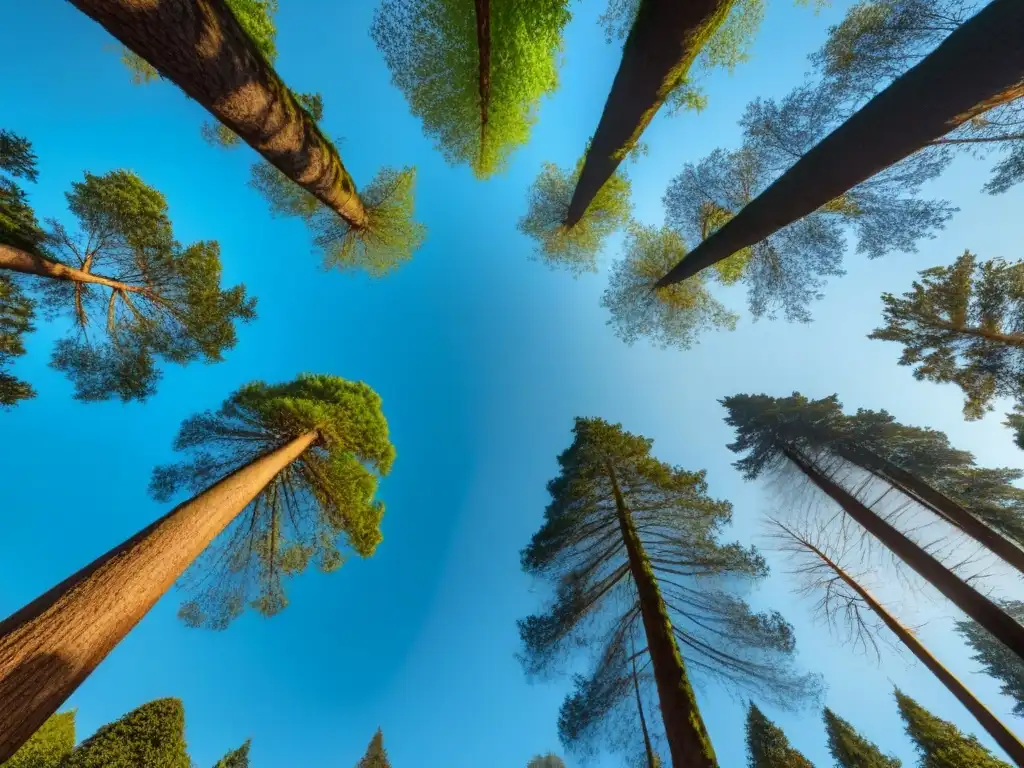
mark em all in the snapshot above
pixel 1013 339
pixel 665 39
pixel 52 644
pixel 1002 735
pixel 648 747
pixel 483 44
pixel 978 67
pixel 938 502
pixel 989 615
pixel 27 263
pixel 688 740
pixel 200 46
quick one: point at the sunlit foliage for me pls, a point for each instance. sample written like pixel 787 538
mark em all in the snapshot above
pixel 49 746
pixel 152 735
pixel 768 746
pixel 376 756
pixel 236 758
pixel 996 659
pixel 850 749
pixel 940 744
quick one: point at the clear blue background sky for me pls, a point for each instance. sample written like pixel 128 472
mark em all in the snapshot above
pixel 483 358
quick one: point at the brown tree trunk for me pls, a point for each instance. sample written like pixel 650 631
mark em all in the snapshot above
pixel 52 644
pixel 978 67
pixel 200 46
pixel 938 502
pixel 663 43
pixel 1002 735
pixel 1013 339
pixel 989 615
pixel 688 740
pixel 483 44
pixel 18 260
pixel 648 747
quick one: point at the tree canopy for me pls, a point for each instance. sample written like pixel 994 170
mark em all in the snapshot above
pixel 941 744
pixel 550 760
pixel 16 315
pixel 237 758
pixel 767 745
pixel 376 756
pixel 324 498
pixel 49 746
pixel 851 750
pixel 152 735
pixel 995 658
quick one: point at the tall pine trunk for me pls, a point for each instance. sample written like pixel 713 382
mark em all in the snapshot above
pixel 688 740
pixel 1002 735
pixel 938 502
pixel 483 44
pixel 978 67
pixel 662 44
pixel 648 747
pixel 989 615
pixel 17 260
pixel 200 46
pixel 52 644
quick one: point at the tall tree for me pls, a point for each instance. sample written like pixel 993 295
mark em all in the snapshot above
pixel 850 749
pixel 773 437
pixel 995 658
pixel 963 324
pixel 238 86
pixel 767 745
pixel 474 78
pixel 631 544
pixel 133 292
pixel 550 760
pixel 976 68
pixel 376 756
pixel 49 746
pixel 237 758
pixel 152 736
pixel 939 743
pixel 291 468
pixel 16 315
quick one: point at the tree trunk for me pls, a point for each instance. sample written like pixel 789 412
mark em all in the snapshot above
pixel 989 615
pixel 483 44
pixel 52 644
pixel 201 47
pixel 1012 339
pixel 938 502
pixel 1002 735
pixel 688 738
pixel 978 67
pixel 27 263
pixel 665 39
pixel 648 748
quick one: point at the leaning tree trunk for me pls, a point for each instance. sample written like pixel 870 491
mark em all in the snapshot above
pixel 52 644
pixel 200 46
pixel 483 44
pixel 688 740
pixel 989 615
pixel 665 39
pixel 1002 735
pixel 648 747
pixel 978 67
pixel 27 263
pixel 938 502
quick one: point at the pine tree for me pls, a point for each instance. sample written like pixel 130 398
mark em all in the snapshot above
pixel 550 760
pixel 152 736
pixel 997 660
pixel 17 312
pixel 238 758
pixel 940 743
pixel 851 750
pixel 767 745
pixel 49 746
pixel 376 756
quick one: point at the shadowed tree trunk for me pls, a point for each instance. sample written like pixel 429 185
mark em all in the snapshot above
pixel 688 740
pixel 483 43
pixel 27 263
pixel 978 67
pixel 200 46
pixel 648 747
pixel 995 728
pixel 52 644
pixel 989 615
pixel 665 39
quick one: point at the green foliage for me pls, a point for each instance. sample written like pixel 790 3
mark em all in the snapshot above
pixel 673 316
pixel 1015 421
pixel 152 736
pixel 851 750
pixel 238 758
pixel 432 51
pixel 580 550
pixel 996 659
pixel 940 743
pixel 767 745
pixel 18 225
pixel 550 760
pixel 16 315
pixel 574 249
pixel 49 746
pixel 963 324
pixel 302 515
pixel 376 756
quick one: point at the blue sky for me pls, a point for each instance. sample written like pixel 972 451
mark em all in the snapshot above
pixel 482 356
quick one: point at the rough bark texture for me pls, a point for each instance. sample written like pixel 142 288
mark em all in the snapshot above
pixel 989 615
pixel 200 46
pixel 1003 736
pixel 483 44
pixel 17 260
pixel 664 41
pixel 688 740
pixel 978 67
pixel 52 644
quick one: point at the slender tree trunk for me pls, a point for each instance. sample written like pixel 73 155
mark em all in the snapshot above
pixel 978 67
pixel 1013 339
pixel 18 260
pixel 52 644
pixel 648 747
pixel 989 615
pixel 980 139
pixel 1002 735
pixel 688 738
pixel 938 502
pixel 483 44
pixel 201 47
pixel 664 41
